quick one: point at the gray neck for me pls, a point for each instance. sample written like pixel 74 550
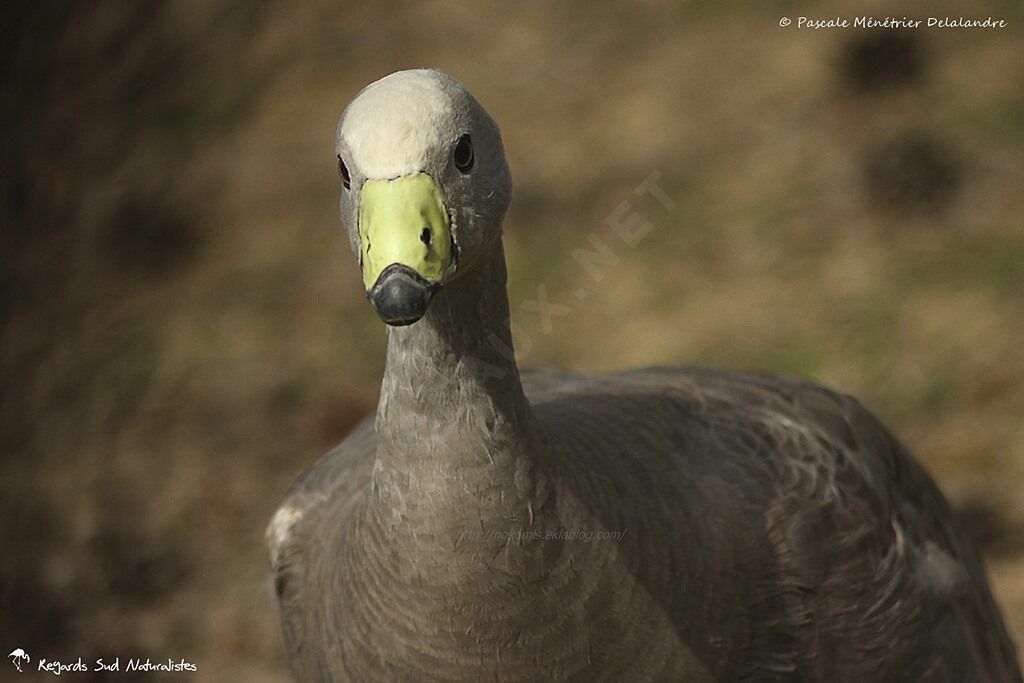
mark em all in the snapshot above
pixel 432 567
pixel 456 438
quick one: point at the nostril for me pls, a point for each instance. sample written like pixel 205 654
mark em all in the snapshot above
pixel 425 236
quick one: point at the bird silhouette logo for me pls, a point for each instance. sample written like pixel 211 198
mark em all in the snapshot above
pixel 19 656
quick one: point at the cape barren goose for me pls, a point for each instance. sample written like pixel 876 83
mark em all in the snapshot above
pixel 664 524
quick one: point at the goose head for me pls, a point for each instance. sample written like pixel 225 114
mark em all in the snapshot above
pixel 425 186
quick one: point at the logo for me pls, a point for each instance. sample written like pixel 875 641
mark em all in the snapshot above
pixel 19 656
pixel 21 661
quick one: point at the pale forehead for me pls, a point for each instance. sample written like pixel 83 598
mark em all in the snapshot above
pixel 393 126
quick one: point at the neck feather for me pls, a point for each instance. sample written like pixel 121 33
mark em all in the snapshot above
pixel 455 434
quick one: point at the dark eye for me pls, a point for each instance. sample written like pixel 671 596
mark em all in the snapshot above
pixel 343 172
pixel 463 154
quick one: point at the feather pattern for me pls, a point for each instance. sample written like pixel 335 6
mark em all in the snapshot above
pixel 664 524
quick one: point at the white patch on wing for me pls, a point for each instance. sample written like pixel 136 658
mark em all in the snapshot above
pixel 280 528
pixel 940 572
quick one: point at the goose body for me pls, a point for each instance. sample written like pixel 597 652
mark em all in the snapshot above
pixel 664 524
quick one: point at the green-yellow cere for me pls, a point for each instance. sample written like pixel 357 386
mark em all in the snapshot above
pixel 393 215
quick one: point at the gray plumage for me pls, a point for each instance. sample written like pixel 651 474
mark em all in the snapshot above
pixel 665 524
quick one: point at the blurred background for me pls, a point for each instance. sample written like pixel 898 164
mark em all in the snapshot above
pixel 183 330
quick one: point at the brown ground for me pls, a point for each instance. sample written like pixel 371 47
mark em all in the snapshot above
pixel 181 323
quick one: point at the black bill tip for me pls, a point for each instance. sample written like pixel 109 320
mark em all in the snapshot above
pixel 401 295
